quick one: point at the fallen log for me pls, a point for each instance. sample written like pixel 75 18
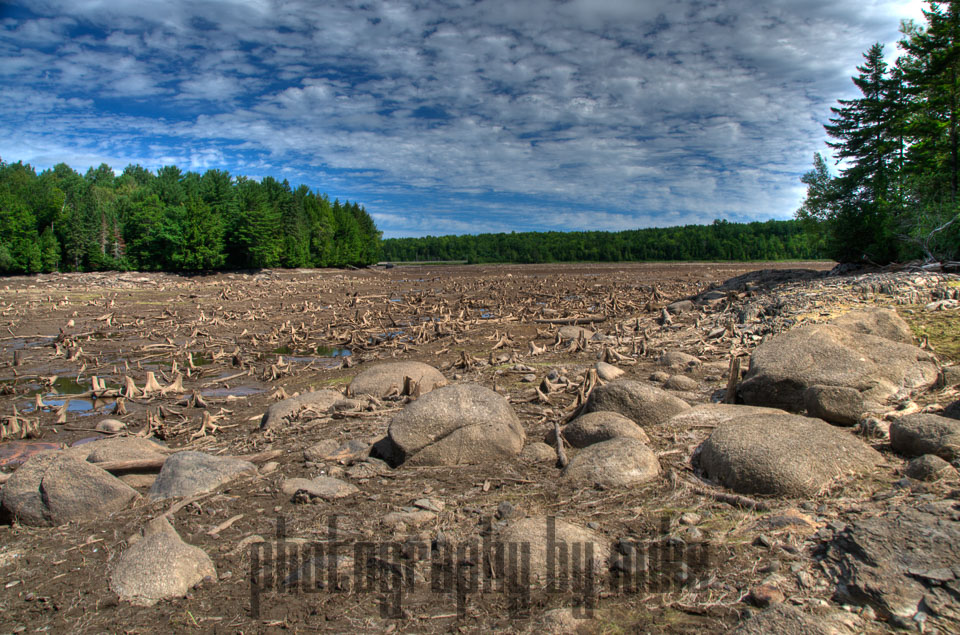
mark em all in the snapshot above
pixel 157 463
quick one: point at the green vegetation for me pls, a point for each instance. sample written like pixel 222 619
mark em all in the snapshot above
pixel 771 240
pixel 941 328
pixel 172 221
pixel 896 195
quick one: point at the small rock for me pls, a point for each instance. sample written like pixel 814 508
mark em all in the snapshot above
pixel 112 426
pixel 429 504
pixel 764 595
pixel 323 487
pixel 529 378
pixel 772 567
pixel 919 434
pixel 410 519
pixel 680 382
pixel 840 405
pixel 368 468
pixel 677 360
pixel 929 467
pixel 608 372
pixel 574 333
pixel 320 450
pixel 538 453
pixel 506 510
pixel 659 376
pixel 349 452
pixel 290 410
pixel 689 518
pixel 561 621
pixel 949 377
pixel 680 306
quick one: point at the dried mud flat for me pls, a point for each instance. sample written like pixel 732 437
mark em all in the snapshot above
pixel 218 351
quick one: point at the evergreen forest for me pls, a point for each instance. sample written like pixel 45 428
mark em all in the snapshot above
pixel 171 220
pixel 770 240
pixel 897 146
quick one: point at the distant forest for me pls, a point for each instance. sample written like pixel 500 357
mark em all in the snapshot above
pixel 770 240
pixel 171 220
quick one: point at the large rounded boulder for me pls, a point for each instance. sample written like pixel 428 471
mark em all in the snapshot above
pixel 643 404
pixel 455 425
pixel 189 473
pixel 620 462
pixel 53 489
pixel 785 366
pixel 385 379
pixel 159 566
pixel 713 414
pixel 883 323
pixel 541 535
pixel 290 410
pixel 597 427
pixel 783 455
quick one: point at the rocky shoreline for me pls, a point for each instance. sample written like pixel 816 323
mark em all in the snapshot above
pixel 787 422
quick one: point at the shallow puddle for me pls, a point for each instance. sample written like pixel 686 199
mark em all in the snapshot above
pixel 21 343
pixel 320 351
pixel 78 406
pixel 16 452
pixel 238 391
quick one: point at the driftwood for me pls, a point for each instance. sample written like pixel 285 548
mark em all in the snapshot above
pixel 743 502
pixel 732 380
pixel 561 455
pixel 157 463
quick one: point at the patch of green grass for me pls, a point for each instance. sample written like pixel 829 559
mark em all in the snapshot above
pixel 942 329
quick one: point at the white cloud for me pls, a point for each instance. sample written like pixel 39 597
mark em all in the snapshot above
pixel 610 113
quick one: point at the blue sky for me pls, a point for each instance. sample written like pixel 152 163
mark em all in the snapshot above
pixel 450 116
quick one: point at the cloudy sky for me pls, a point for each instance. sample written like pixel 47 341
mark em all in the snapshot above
pixel 450 116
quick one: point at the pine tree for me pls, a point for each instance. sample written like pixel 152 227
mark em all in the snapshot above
pixel 865 137
pixel 931 71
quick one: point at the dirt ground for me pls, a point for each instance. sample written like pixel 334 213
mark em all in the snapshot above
pixel 244 340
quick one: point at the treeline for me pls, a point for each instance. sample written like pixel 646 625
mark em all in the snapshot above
pixel 896 194
pixel 771 240
pixel 172 221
